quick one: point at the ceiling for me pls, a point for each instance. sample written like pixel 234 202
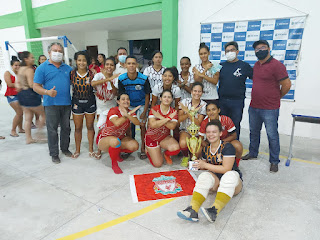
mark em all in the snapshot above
pixel 142 21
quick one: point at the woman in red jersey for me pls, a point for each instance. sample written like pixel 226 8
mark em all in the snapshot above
pixel 162 119
pixel 112 137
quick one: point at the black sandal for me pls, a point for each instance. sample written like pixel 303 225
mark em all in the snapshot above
pixel 142 155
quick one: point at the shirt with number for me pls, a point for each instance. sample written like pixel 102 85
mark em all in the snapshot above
pixel 188 103
pixel 227 126
pixel 209 89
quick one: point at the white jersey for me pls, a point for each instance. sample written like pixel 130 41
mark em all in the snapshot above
pixel 154 77
pixel 184 93
pixel 158 89
pixel 209 89
pixel 188 103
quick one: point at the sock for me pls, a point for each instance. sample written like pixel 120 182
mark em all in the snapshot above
pixel 197 200
pixel 171 153
pixel 185 152
pixel 149 157
pixel 115 155
pixel 238 161
pixel 221 200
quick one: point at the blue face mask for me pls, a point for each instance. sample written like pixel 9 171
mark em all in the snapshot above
pixel 122 58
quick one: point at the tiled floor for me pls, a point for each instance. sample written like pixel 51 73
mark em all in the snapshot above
pixel 41 200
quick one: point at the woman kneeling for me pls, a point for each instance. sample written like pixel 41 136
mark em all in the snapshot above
pixel 222 176
pixel 112 137
pixel 162 119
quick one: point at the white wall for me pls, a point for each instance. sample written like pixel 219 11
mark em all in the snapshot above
pixel 191 13
pixel 10 34
pixel 8 7
pixel 97 38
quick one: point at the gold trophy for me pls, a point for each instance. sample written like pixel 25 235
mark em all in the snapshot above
pixel 193 142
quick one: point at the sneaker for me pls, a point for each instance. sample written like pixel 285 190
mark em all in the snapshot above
pixel 184 162
pixel 210 213
pixel 274 167
pixel 67 153
pixel 56 159
pixel 188 214
pixel 248 157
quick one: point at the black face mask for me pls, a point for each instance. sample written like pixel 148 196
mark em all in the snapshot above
pixel 262 54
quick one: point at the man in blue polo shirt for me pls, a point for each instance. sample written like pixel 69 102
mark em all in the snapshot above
pixel 52 80
pixel 232 85
pixel 137 86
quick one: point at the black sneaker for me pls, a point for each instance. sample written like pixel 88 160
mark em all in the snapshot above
pixel 67 153
pixel 56 159
pixel 274 167
pixel 210 213
pixel 188 214
pixel 248 157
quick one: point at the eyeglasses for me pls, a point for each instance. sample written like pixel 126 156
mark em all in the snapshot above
pixel 231 50
pixel 261 48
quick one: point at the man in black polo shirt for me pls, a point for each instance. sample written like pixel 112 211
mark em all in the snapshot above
pixel 232 85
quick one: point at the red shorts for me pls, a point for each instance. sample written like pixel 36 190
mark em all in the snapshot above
pixel 151 143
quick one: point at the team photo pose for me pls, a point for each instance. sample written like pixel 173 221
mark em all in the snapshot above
pixel 221 175
pixel 185 78
pixel 162 119
pixel 28 99
pixel 229 133
pixel 12 98
pixel 202 74
pixel 185 118
pixel 169 82
pixel 83 102
pixel 112 137
pixel 155 71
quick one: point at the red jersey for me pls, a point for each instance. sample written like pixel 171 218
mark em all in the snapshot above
pixel 158 134
pixel 11 91
pixel 96 67
pixel 227 126
pixel 110 129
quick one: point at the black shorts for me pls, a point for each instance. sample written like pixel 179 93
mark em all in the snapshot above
pixel 29 98
pixel 81 106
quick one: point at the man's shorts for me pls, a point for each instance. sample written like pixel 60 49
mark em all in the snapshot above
pixel 151 143
pixel 11 99
pixel 80 107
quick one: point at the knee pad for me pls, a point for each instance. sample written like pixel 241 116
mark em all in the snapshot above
pixel 229 182
pixel 204 183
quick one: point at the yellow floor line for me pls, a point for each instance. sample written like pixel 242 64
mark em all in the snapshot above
pixel 117 221
pixel 284 157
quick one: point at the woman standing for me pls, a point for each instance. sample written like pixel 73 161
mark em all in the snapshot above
pixel 83 101
pixel 101 60
pixel 11 94
pixel 185 78
pixel 185 118
pixel 222 175
pixel 94 67
pixel 162 119
pixel 113 137
pixel 28 99
pixel 202 74
pixel 155 71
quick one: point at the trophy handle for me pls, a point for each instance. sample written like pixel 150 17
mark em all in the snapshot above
pixel 188 144
pixel 199 144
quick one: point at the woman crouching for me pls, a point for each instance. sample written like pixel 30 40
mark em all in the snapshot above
pixel 222 175
pixel 113 138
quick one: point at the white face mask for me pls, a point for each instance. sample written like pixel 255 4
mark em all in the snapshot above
pixel 56 56
pixel 231 56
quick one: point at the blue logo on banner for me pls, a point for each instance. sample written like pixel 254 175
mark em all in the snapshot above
pixel 292 74
pixel 249 45
pixel 222 46
pixel 295 33
pixel 282 24
pixel 241 55
pixel 216 37
pixel 254 26
pixel 240 36
pixel 289 95
pixel 216 55
pixel 266 35
pixel 279 45
pixel 228 27
pixel 291 54
pixel 206 28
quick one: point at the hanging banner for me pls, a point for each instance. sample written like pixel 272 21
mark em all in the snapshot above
pixel 284 37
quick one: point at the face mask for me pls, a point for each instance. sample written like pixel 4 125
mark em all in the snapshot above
pixel 231 56
pixel 122 58
pixel 56 56
pixel 262 54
